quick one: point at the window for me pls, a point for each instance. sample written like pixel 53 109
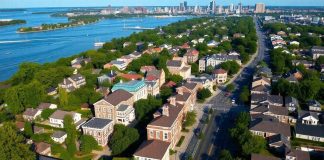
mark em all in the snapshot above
pixel 158 135
pixel 165 136
pixel 151 133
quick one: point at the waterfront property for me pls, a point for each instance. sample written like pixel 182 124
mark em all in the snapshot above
pixel 100 129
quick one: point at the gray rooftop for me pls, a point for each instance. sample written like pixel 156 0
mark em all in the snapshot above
pixel 58 134
pixel 97 123
pixel 311 130
pixel 122 108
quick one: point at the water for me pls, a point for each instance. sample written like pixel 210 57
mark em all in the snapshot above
pixel 49 46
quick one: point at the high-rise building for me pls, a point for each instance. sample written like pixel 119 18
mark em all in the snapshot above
pixel 212 7
pixel 231 7
pixel 259 8
pixel 240 8
pixel 181 7
pixel 185 5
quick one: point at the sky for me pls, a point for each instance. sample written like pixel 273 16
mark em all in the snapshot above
pixel 90 3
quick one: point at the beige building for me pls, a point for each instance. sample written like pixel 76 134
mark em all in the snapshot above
pixel 117 106
pixel 260 8
pixel 100 129
pixel 72 83
pixel 177 66
pixel 220 76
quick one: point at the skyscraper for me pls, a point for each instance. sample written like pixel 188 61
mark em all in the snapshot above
pixel 231 7
pixel 212 7
pixel 185 4
pixel 259 8
pixel 181 7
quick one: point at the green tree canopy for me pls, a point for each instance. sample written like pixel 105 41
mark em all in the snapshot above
pixel 122 138
pixel 88 143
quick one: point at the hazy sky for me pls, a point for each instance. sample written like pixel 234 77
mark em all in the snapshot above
pixel 86 3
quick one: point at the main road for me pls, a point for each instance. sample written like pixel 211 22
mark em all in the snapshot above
pixel 216 135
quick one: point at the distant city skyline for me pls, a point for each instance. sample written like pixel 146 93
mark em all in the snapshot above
pixel 94 3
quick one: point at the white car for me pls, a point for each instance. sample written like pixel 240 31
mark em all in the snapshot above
pixel 233 101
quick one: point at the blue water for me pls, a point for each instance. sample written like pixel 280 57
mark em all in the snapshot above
pixel 49 46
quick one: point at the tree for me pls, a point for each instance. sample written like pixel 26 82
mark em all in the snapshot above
pixel 28 129
pixel 88 143
pixel 194 68
pixel 70 129
pixel 255 144
pixel 175 78
pixel 230 87
pixel 231 66
pixel 190 119
pixel 63 97
pixel 12 144
pixel 46 113
pixel 244 95
pixel 122 138
pixel 204 93
pixel 225 155
pixel 145 107
pixel 165 93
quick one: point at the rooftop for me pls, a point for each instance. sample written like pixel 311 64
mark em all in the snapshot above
pixel 153 149
pixel 131 86
pixel 58 134
pixel 97 123
pixel 118 96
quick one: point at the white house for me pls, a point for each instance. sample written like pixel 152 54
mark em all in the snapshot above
pixel 125 114
pixel 59 136
pixel 57 118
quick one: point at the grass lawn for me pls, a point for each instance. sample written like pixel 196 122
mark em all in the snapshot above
pixel 304 142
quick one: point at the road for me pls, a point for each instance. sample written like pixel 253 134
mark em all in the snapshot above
pixel 216 132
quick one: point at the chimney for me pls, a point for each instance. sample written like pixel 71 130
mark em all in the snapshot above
pixel 172 101
pixel 180 90
pixel 165 110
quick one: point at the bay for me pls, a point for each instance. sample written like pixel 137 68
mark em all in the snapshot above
pixel 49 46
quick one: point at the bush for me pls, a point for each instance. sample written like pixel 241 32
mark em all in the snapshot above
pixel 180 141
pixel 230 87
pixel 231 66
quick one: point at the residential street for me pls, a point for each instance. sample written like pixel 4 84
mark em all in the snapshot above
pixel 216 133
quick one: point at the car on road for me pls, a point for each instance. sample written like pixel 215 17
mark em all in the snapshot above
pixel 233 101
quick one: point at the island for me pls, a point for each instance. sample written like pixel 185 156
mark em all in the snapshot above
pixel 72 22
pixel 6 22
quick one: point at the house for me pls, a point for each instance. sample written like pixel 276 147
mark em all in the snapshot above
pixel 261 81
pixel 262 157
pixel 309 118
pixel 310 132
pixel 185 46
pixel 297 155
pixel 38 130
pixel 206 81
pixel 153 150
pixel 136 87
pixel 279 143
pixel 156 75
pixel 238 35
pixel 43 106
pixel 220 76
pixel 275 100
pixel 186 95
pixel 307 64
pixel 59 136
pixel 145 69
pixel 120 65
pixel 43 148
pixel 263 71
pixel 108 77
pixel 217 59
pixel 212 44
pixel 126 44
pixel 72 83
pixel 314 105
pixel 282 33
pixel 167 124
pixel 153 88
pixel 177 66
pixel 77 62
pixel 57 118
pixel 291 103
pixel 136 55
pixel 261 89
pixel 294 43
pixel 100 129
pixel 31 114
pixel 281 113
pixel 51 91
pixel 140 46
pixel 266 128
pixel 191 56
pixel 317 51
pixel 116 106
pixel 20 126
